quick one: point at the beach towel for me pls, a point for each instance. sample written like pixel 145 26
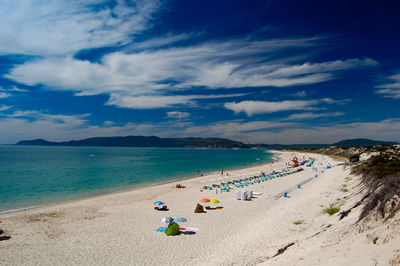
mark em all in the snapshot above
pixel 161 229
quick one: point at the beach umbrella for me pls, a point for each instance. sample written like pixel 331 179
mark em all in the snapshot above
pixel 180 219
pixel 204 200
pixel 214 201
pixel 167 220
pixel 158 203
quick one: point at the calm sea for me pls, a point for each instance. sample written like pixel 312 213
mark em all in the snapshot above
pixel 32 176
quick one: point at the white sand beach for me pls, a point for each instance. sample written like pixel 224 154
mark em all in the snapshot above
pixel 120 228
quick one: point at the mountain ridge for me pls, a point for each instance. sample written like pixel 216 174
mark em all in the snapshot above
pixel 190 142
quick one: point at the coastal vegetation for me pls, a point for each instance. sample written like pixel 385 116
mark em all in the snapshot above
pixel 380 175
pixel 379 170
pixel 332 209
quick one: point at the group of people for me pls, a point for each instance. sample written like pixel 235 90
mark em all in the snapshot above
pixel 179 186
pixel 3 237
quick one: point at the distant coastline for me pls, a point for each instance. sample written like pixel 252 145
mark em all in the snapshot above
pixel 191 142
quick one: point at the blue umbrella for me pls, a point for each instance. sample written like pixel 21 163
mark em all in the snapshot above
pixel 158 203
pixel 180 219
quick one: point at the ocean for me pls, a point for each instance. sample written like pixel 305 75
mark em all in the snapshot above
pixel 33 176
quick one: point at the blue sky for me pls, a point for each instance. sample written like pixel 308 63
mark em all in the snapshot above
pixel 255 71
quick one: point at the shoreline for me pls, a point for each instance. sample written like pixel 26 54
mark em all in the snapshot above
pixel 120 228
pixel 274 157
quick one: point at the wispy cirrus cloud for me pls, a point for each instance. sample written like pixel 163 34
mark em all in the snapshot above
pixel 390 89
pixel 5 107
pixel 159 101
pixel 154 74
pixel 16 89
pixel 65 27
pixel 266 107
pixel 178 115
pixel 4 95
pixel 70 120
pixel 309 116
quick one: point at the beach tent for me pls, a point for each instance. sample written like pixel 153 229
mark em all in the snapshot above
pixel 172 230
pixel 199 209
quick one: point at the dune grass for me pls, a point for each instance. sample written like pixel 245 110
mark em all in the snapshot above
pixel 332 209
pixel 381 176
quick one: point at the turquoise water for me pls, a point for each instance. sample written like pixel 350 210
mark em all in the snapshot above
pixel 32 176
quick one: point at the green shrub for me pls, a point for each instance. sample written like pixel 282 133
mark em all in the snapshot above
pixel 332 209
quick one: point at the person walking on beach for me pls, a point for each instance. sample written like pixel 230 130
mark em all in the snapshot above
pixel 222 171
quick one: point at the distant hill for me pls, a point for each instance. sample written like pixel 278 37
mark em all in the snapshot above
pixel 143 141
pixel 362 142
pixel 153 141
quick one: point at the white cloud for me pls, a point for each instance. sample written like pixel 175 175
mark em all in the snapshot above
pixel 232 129
pixel 231 64
pixel 178 115
pixel 108 123
pixel 65 27
pixel 392 89
pixel 4 95
pixel 159 101
pixel 300 94
pixel 304 116
pixel 5 107
pixel 16 89
pixel 338 102
pixel 70 120
pixel 167 39
pixel 262 107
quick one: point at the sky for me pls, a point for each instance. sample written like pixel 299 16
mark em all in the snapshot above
pixel 273 71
